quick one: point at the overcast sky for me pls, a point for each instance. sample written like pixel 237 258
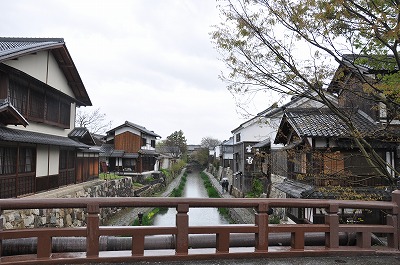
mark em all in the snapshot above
pixel 150 62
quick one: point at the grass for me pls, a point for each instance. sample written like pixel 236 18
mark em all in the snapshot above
pixel 148 218
pixel 110 175
pixel 213 193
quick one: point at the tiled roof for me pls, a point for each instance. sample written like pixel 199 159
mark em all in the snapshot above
pixel 83 135
pixel 293 188
pixel 137 127
pixel 301 190
pixel 322 122
pixel 14 135
pixel 10 115
pixel 12 48
pixel 148 152
pixel 381 194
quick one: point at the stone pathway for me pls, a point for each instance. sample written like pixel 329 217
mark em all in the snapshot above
pixel 240 215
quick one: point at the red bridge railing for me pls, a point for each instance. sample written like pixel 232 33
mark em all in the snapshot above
pixel 222 235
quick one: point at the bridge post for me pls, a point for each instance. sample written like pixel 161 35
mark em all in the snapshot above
pixel 261 221
pixel 394 240
pixel 92 226
pixel 182 236
pixel 332 219
pixel 1 230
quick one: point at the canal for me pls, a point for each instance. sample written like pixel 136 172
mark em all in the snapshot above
pixel 194 188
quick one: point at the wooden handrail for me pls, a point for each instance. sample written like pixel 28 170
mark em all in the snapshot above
pixel 181 232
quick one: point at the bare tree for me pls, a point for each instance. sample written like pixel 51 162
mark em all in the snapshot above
pixel 296 48
pixel 94 121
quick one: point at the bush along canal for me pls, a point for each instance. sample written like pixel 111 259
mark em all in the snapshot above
pixel 213 193
pixel 148 219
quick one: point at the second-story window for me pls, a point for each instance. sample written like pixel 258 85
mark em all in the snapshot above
pixel 31 100
pixel 238 137
pixel 144 142
pixel 153 143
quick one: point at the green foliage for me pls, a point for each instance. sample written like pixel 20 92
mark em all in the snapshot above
pixel 213 193
pixel 105 176
pixel 256 189
pixel 175 144
pixel 289 48
pixel 201 156
pixel 274 219
pixel 177 167
pixel 177 192
pixel 148 218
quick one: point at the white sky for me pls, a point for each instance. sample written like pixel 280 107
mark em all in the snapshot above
pixel 150 62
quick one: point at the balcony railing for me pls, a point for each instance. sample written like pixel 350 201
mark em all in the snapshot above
pixel 221 244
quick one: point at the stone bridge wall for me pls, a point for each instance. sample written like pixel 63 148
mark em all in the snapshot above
pixel 18 219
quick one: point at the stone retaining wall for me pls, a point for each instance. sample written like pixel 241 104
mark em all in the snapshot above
pixel 18 219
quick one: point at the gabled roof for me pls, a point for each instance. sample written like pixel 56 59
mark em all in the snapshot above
pixel 275 111
pixel 83 135
pixel 12 48
pixel 362 65
pixel 137 127
pixel 228 142
pixel 14 135
pixel 10 115
pixel 321 122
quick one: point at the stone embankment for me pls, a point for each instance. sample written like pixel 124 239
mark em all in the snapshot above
pixel 128 215
pixel 18 219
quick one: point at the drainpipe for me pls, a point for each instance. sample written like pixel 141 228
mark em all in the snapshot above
pixel 78 244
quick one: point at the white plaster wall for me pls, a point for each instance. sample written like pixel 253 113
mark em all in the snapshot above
pixel 47 160
pixel 54 160
pixel 228 156
pixel 42 157
pixel 148 143
pixel 35 65
pixel 127 129
pixel 43 128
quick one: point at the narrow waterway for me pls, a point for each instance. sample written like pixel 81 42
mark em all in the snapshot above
pixel 194 188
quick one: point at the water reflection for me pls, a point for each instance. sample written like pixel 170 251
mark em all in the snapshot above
pixel 194 188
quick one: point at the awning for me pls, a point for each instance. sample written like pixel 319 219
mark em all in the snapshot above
pixel 10 115
pixel 131 155
pixel 14 135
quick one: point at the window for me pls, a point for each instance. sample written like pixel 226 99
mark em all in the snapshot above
pixel 8 160
pixel 52 109
pixel 65 112
pixel 144 142
pixel 18 95
pixel 238 137
pixel 36 106
pixel 26 160
pixel 31 100
pixel 67 159
pixel 153 143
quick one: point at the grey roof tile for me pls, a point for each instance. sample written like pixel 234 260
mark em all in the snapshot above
pixel 14 135
pixel 322 122
pixel 137 127
pixel 10 46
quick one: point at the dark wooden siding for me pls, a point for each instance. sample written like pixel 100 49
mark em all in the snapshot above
pixel 128 142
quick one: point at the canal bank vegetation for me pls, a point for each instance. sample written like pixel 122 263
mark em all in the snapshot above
pixel 213 193
pixel 148 218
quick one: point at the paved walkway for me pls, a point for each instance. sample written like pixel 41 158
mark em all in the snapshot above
pixel 240 215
